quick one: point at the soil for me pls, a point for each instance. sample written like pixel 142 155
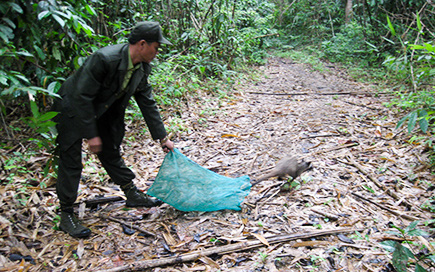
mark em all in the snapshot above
pixel 367 179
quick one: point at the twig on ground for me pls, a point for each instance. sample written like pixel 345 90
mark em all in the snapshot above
pixel 408 217
pixel 329 215
pixel 322 135
pixel 103 216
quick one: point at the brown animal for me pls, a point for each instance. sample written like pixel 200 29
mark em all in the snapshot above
pixel 288 166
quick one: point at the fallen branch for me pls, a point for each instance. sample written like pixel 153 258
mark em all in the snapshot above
pixel 137 266
pixel 408 217
pixel 131 226
pixel 314 93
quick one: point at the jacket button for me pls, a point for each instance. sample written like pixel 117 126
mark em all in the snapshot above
pixel 106 106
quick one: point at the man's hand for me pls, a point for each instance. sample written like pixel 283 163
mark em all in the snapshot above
pixel 167 145
pixel 95 145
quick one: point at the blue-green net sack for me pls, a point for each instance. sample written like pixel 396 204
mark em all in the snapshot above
pixel 187 186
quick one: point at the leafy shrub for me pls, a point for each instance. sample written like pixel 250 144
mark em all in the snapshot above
pixel 350 45
pixel 401 253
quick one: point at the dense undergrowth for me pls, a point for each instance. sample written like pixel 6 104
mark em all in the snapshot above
pixel 215 42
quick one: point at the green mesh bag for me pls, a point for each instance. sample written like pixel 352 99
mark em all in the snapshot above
pixel 187 186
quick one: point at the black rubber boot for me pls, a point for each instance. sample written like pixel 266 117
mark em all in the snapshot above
pixel 71 225
pixel 136 198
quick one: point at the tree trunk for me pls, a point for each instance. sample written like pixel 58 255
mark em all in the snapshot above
pixel 348 11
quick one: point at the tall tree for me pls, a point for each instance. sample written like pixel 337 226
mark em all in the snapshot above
pixel 348 11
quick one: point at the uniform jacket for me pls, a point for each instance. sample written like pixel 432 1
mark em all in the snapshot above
pixel 96 87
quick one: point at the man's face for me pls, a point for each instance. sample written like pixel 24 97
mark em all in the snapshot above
pixel 148 51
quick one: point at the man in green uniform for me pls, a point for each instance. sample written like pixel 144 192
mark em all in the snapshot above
pixel 92 107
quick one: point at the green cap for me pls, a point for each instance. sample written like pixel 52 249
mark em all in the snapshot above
pixel 148 31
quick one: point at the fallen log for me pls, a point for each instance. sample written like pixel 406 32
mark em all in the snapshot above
pixel 137 266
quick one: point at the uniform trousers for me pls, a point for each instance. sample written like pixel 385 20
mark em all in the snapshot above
pixel 111 131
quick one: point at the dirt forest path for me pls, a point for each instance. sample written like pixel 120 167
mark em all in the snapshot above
pixel 365 175
pixel 365 178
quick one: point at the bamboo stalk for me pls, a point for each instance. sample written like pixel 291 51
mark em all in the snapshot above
pixel 408 217
pixel 137 266
pixel 336 93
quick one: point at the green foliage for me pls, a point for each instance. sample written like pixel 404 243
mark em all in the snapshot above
pixel 416 63
pixel 38 42
pixel 351 45
pixel 423 116
pixel 414 66
pixel 309 21
pixel 43 42
pixel 402 254
pixel 429 203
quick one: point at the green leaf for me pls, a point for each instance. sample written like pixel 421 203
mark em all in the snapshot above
pixel 34 109
pixel 389 245
pixel 34 90
pixel 431 257
pixel 24 54
pixel 417 46
pixel 418 232
pixel 59 20
pixel 43 14
pixel 66 15
pixel 91 10
pixel 412 121
pixel 419 23
pixel 390 25
pixel 16 7
pixel 89 31
pixel 419 268
pixel 423 120
pixel 408 252
pixel 6 31
pixel 400 123
pixel 400 258
pixel 411 226
pixel 39 51
pixel 22 77
pixel 53 87
pixel 47 116
pixel 9 22
pixel 4 37
pixel 3 80
pixel 56 54
pixel 429 47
